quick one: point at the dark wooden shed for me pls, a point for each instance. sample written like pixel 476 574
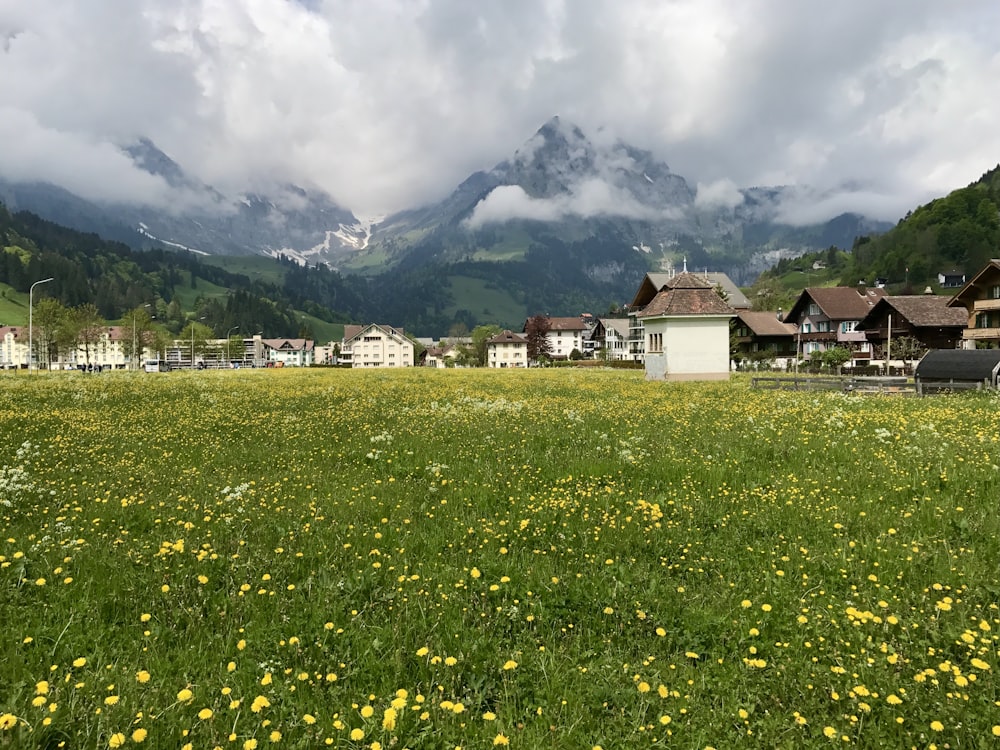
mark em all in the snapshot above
pixel 958 368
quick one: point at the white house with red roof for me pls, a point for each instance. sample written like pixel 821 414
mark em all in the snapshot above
pixel 686 328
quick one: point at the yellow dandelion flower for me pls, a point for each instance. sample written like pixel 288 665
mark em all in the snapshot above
pixel 501 739
pixel 275 736
pixel 509 665
pixel 475 573
pixel 423 651
pixel 185 695
pixel 111 700
pixel 142 676
pixel 643 687
pixel 450 661
pixel 116 740
pixel 980 664
pixel 139 735
pixel 259 703
pixel 7 721
pixel 39 700
pixel 250 744
pixel 937 726
pixel 205 714
pixel 80 662
pixel 367 711
pixel 309 719
pixel 746 604
pixel 830 732
pixel 389 719
pixel 266 679
pixel 357 734
pixel 489 716
pixel 42 688
pixel 996 730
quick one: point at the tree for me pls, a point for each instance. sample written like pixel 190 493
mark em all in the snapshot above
pixel 908 349
pixel 536 332
pixel 138 329
pixel 480 335
pixel 53 332
pixel 836 357
pixel 88 323
pixel 196 336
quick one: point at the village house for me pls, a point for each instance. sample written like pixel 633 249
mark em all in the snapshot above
pixel 980 298
pixel 828 316
pixel 566 334
pixel 376 345
pixel 610 338
pixel 687 331
pixel 651 285
pixel 763 339
pixel 927 318
pixel 507 349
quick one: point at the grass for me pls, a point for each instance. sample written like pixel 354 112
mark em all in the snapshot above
pixel 187 296
pixel 486 302
pixel 13 307
pixel 550 558
pixel 255 267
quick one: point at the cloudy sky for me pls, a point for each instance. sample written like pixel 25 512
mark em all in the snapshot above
pixel 387 104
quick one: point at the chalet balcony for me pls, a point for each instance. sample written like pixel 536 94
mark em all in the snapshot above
pixel 818 336
pixel 982 305
pixel 980 334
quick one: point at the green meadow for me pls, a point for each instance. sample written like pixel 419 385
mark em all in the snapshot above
pixel 479 559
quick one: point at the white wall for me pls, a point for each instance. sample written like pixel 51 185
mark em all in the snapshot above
pixel 694 348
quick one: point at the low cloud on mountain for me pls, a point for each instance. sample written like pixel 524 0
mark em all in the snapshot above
pixel 388 105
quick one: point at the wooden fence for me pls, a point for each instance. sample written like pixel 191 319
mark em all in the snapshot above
pixel 900 386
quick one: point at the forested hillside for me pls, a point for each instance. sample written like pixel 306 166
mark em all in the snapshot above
pixel 87 269
pixel 959 231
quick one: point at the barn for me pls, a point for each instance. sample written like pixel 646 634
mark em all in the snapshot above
pixel 958 369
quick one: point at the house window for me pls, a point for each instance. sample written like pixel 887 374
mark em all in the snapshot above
pixel 813 309
pixel 811 346
pixel 848 326
pixel 995 292
pixel 823 326
pixel 807 328
pixel 655 342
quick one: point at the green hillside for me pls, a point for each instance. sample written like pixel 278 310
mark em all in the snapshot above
pixel 959 231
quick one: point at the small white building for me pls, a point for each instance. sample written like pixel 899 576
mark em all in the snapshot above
pixel 611 339
pixel 13 347
pixel 376 345
pixel 687 331
pixel 289 352
pixel 566 334
pixel 507 349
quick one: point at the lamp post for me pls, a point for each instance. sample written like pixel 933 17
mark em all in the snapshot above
pixel 31 308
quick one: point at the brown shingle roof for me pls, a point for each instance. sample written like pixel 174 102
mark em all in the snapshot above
pixel 766 323
pixel 840 302
pixel 928 310
pixel 567 324
pixel 686 294
pixel 507 337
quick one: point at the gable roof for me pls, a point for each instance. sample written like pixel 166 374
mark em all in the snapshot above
pixel 507 337
pixel 618 325
pixel 766 323
pixel 686 294
pixel 959 364
pixel 920 310
pixel 837 302
pixel 968 293
pixel 653 282
pixel 567 324
pixel 352 332
pixel 289 345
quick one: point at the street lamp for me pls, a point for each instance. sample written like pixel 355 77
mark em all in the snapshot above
pixel 31 308
pixel 134 342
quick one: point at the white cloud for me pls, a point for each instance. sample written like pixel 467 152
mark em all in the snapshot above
pixel 722 193
pixel 387 104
